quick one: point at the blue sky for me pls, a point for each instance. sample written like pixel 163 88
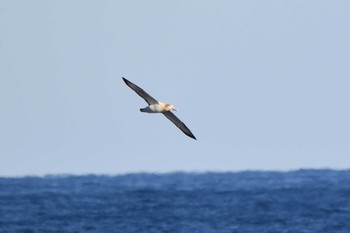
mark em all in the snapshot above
pixel 262 84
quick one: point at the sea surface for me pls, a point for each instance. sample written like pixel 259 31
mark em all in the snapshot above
pixel 298 201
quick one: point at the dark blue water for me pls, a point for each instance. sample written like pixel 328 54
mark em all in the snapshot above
pixel 300 201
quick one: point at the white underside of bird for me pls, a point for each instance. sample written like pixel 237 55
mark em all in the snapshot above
pixel 158 108
pixel 154 106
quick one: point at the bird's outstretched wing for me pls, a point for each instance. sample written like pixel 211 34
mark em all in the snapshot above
pixel 179 124
pixel 149 99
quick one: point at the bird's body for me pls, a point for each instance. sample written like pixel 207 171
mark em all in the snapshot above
pixel 157 108
pixel 154 106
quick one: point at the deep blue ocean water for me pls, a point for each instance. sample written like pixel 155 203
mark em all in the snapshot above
pixel 298 201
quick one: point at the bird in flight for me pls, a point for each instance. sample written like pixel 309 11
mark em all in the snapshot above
pixel 154 106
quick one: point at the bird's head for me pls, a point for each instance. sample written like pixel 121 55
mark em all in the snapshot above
pixel 169 107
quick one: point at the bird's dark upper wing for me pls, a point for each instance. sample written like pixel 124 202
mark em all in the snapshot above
pixel 179 124
pixel 149 99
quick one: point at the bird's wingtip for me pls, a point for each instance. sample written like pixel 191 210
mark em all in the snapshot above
pixel 125 80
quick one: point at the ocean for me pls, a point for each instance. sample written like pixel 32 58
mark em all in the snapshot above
pixel 251 201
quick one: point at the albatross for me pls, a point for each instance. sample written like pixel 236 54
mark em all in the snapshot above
pixel 154 106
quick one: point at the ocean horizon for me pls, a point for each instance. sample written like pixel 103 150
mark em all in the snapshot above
pixel 305 200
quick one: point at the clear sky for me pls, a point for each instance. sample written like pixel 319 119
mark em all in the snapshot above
pixel 262 84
